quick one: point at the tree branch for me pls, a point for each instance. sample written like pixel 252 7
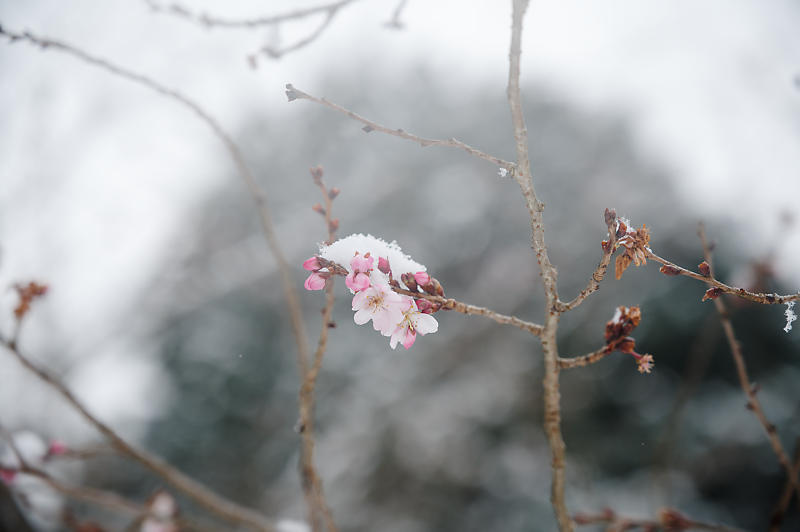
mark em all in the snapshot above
pixel 293 93
pixel 584 360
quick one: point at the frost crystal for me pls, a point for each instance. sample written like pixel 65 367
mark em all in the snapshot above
pixel 790 316
pixel 502 172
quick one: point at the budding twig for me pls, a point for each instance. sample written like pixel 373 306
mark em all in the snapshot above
pixel 296 94
pixel 744 380
pixel 584 360
pixel 312 484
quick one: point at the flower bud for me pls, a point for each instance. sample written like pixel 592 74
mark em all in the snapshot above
pixel 705 269
pixel 422 278
pixel 316 174
pixel 332 193
pixel 409 281
pixel 383 265
pixel 312 264
pixel 318 208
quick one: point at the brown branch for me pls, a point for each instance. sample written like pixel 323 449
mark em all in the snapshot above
pixel 204 496
pixel 600 272
pixel 744 380
pixel 766 299
pixel 776 519
pixel 464 308
pixel 212 21
pixel 312 484
pixel 293 93
pixel 552 397
pixel 258 193
pixel 584 360
pixel 277 53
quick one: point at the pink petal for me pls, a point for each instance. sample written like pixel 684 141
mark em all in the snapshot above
pixel 315 282
pixel 425 324
pixel 422 278
pixel 357 282
pixel 312 264
pixel 361 264
pixel 409 339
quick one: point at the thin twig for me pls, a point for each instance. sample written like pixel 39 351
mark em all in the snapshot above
pixel 312 484
pixel 277 53
pixel 464 308
pixel 212 21
pixel 296 94
pixel 776 519
pixel 207 498
pixel 552 396
pixel 744 380
pixel 395 22
pixel 600 272
pixel 766 299
pixel 258 194
pixel 584 360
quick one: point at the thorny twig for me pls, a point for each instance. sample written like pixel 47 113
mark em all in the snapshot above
pixel 293 93
pixel 207 498
pixel 312 484
pixel 552 397
pixel 744 380
pixel 257 192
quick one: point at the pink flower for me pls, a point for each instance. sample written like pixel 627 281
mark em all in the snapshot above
pixel 315 281
pixel 379 304
pixel 413 322
pixel 358 278
pixel 312 264
pixel 422 278
pixel 7 475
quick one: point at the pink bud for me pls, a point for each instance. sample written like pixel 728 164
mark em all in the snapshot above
pixel 362 264
pixel 422 278
pixel 383 265
pixel 315 281
pixel 57 448
pixel 357 281
pixel 424 306
pixel 7 475
pixel 312 264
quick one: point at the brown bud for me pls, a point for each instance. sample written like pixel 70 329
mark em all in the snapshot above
pixel 712 293
pixel 332 193
pixel 669 270
pixel 316 174
pixel 409 281
pixel 610 216
pixel 626 345
pixel 367 129
pixel 622 229
pixel 705 269
pixel 434 288
pixel 318 208
pixel 334 225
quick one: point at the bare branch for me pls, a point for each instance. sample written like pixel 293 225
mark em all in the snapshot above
pixel 744 380
pixel 296 94
pixel 464 308
pixel 584 360
pixel 207 498
pixel 212 21
pixel 312 484
pixel 600 272
pixel 552 396
pixel 395 22
pixel 765 299
pixel 258 193
pixel 776 519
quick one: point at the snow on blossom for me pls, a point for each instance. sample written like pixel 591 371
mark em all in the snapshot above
pixel 343 250
pixel 790 316
pixel 413 322
pixel 381 305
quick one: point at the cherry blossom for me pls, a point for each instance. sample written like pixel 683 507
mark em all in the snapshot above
pixel 381 305
pixel 358 278
pixel 413 322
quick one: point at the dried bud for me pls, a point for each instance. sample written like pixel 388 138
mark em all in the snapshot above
pixel 383 265
pixel 626 345
pixel 316 174
pixel 712 293
pixel 332 193
pixel 705 269
pixel 669 270
pixel 334 225
pixel 318 208
pixel 606 246
pixel 434 288
pixel 610 216
pixel 409 281
pixel 27 293
pixel 621 229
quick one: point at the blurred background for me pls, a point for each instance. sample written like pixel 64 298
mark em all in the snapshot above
pixel 165 312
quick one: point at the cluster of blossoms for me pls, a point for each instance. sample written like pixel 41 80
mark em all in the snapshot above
pixel 625 320
pixel 372 278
